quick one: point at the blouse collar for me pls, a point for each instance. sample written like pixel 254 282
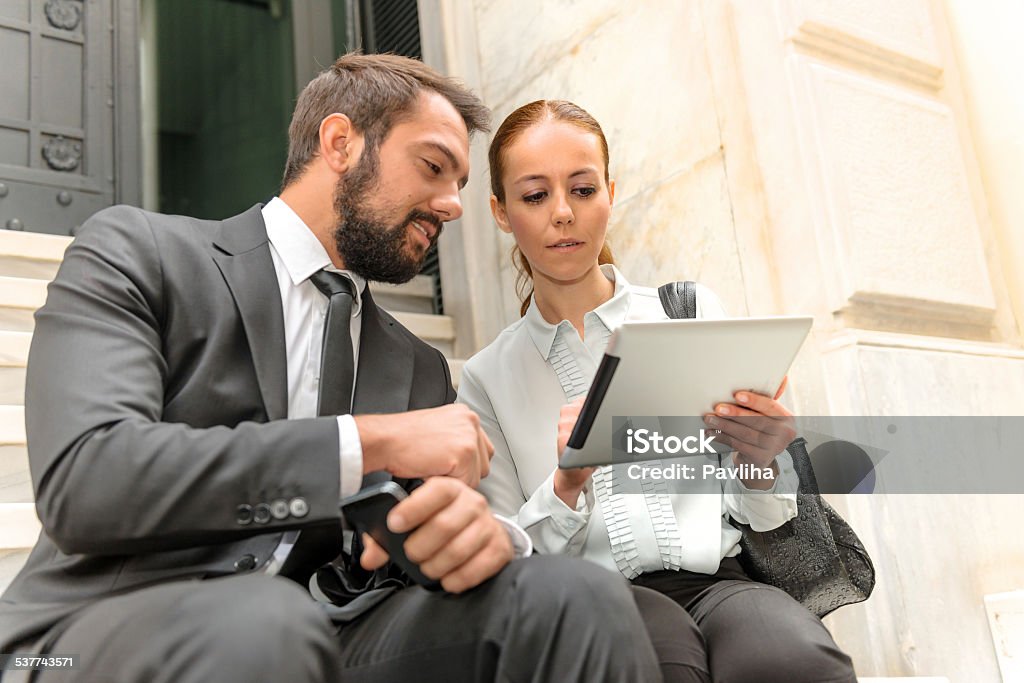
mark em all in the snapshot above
pixel 611 314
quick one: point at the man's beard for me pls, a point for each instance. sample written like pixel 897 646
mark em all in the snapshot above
pixel 369 246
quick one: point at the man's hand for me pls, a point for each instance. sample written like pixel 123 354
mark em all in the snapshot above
pixel 569 483
pixel 456 539
pixel 758 428
pixel 445 441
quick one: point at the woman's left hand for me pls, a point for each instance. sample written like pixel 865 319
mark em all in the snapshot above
pixel 758 428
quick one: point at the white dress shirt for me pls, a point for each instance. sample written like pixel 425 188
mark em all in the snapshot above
pixel 297 254
pixel 514 386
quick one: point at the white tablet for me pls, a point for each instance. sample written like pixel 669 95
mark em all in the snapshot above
pixel 680 368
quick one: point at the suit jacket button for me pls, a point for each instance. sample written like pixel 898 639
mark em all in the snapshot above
pixel 261 513
pixel 279 509
pixel 299 507
pixel 243 514
pixel 245 563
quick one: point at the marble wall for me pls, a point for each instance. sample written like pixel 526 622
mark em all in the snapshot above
pixel 803 156
pixel 642 71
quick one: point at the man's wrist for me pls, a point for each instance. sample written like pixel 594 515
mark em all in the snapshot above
pixel 375 437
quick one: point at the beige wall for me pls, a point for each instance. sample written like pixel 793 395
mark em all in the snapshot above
pixel 986 40
pixel 851 159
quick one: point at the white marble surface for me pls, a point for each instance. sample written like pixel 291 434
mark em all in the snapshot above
pixel 898 193
pixel 653 98
pixel 811 156
pixel 905 26
pixel 680 229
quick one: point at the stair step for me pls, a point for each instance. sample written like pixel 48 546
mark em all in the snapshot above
pixel 15 480
pixel 436 330
pixel 12 386
pixel 19 526
pixel 13 458
pixel 16 487
pixel 14 349
pixel 455 366
pixel 11 562
pixel 19 299
pixel 31 254
pixel 415 296
pixel 428 327
pixel 12 426
pixel 13 358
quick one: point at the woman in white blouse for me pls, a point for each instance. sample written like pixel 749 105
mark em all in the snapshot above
pixel 551 191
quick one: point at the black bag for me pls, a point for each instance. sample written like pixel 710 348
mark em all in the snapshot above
pixel 815 557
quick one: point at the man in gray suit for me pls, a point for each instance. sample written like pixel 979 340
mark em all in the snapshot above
pixel 176 444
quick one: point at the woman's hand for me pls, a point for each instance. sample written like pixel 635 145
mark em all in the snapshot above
pixel 570 483
pixel 758 428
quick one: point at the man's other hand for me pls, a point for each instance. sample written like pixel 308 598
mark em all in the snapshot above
pixel 456 539
pixel 446 441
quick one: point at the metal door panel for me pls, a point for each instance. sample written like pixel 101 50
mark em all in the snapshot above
pixel 57 142
pixel 13 76
pixel 53 210
pixel 13 146
pixel 14 9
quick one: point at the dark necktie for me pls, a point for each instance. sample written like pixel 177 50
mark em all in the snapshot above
pixel 318 545
pixel 336 362
pixel 336 366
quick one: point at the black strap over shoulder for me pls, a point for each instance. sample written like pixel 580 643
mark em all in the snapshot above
pixel 679 299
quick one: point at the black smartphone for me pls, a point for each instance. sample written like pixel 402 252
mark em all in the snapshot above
pixel 367 513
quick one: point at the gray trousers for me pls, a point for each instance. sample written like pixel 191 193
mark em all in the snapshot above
pixel 738 631
pixel 540 619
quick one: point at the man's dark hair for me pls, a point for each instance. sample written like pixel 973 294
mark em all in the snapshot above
pixel 375 92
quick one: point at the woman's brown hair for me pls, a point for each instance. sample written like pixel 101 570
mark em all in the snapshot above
pixel 508 132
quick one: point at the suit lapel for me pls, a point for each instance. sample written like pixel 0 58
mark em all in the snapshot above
pixel 245 262
pixel 384 375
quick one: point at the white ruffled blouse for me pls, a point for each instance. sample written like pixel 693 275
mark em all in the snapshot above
pixel 518 384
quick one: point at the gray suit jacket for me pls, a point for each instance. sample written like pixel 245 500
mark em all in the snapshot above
pixel 155 404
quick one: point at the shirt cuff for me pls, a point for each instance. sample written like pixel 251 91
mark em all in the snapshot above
pixel 350 449
pixel 521 543
pixel 544 504
pixel 769 509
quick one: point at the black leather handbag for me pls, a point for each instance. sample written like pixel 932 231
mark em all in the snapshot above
pixel 815 557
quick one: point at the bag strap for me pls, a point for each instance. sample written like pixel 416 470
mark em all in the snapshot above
pixel 679 299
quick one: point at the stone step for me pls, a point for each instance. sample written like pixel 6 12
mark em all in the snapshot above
pixel 12 386
pixel 415 296
pixel 15 480
pixel 31 254
pixel 12 425
pixel 19 299
pixel 19 526
pixel 13 458
pixel 436 330
pixel 16 487
pixel 13 358
pixel 11 562
pixel 14 349
pixel 455 366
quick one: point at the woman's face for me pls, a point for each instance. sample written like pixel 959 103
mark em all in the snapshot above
pixel 557 203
